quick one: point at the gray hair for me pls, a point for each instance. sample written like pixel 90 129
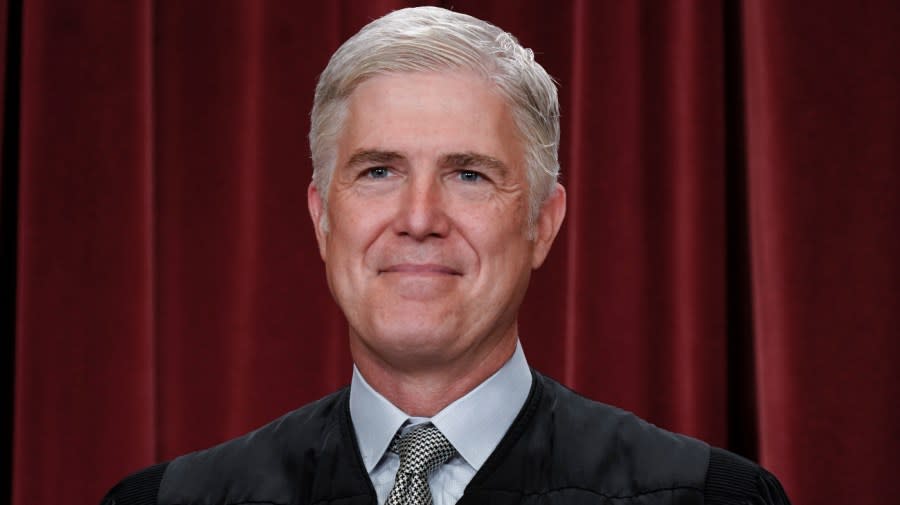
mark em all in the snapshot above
pixel 427 39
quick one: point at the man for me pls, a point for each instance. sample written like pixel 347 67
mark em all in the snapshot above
pixel 434 141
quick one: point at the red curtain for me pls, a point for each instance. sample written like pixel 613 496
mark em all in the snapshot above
pixel 728 267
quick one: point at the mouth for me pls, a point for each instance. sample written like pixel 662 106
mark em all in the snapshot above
pixel 419 269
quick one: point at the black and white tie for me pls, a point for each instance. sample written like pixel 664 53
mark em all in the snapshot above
pixel 421 451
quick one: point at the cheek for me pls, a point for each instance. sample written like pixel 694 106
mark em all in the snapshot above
pixel 494 232
pixel 502 246
pixel 353 242
pixel 351 222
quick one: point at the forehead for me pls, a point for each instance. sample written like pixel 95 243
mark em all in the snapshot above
pixel 433 112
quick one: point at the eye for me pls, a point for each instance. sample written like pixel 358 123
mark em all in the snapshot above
pixel 377 172
pixel 469 176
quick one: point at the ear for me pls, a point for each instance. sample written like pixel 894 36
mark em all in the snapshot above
pixel 549 220
pixel 316 210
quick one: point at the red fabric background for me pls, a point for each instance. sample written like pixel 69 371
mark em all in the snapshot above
pixel 728 267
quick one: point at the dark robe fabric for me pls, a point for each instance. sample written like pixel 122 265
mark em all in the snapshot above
pixel 561 449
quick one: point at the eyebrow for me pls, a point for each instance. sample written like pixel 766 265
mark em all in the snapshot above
pixel 461 160
pixel 373 156
pixel 470 159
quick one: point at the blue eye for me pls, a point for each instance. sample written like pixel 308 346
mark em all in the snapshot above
pixel 469 176
pixel 377 173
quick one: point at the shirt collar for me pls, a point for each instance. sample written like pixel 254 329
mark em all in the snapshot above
pixel 375 419
pixel 469 424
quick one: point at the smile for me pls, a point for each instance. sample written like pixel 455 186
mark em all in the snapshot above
pixel 420 269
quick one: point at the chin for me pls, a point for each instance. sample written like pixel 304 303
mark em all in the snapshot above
pixel 416 344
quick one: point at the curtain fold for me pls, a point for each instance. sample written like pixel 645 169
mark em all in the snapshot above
pixel 727 267
pixel 85 360
pixel 823 97
pixel 246 323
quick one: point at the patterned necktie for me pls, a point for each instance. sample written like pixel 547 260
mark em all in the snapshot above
pixel 421 451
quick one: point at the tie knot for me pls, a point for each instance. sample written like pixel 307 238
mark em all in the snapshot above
pixel 422 450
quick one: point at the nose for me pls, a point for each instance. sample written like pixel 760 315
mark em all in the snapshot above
pixel 422 212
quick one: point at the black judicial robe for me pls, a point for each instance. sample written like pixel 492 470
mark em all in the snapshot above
pixel 561 449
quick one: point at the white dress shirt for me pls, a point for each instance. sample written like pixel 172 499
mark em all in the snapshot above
pixel 474 424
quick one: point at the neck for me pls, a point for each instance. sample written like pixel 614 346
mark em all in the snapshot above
pixel 425 391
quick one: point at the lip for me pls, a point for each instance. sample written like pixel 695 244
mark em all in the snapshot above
pixel 420 269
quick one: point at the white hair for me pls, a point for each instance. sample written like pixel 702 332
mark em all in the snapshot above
pixel 428 39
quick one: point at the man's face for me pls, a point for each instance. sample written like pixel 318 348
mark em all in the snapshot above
pixel 427 250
